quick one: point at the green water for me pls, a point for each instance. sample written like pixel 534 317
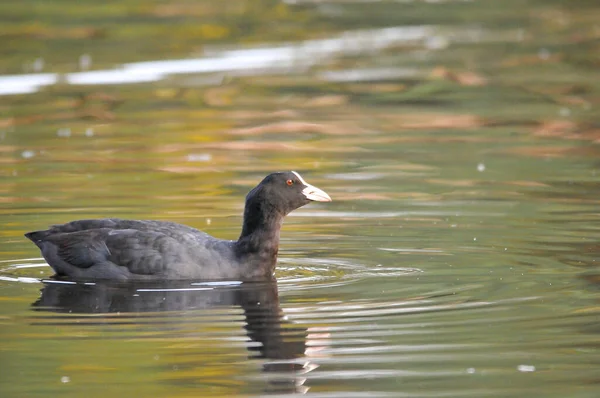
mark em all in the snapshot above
pixel 458 140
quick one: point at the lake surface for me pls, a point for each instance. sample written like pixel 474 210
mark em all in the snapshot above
pixel 459 141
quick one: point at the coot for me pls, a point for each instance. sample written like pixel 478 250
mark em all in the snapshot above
pixel 118 249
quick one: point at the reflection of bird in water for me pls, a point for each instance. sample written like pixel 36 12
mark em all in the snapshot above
pixel 279 343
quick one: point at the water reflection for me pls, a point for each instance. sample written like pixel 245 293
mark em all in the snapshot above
pixel 244 61
pixel 279 344
pixel 461 258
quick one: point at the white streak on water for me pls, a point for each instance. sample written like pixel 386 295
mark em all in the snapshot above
pixel 60 282
pixel 22 279
pixel 185 289
pixel 389 249
pixel 247 61
pixel 25 84
pixel 223 283
pixel 22 259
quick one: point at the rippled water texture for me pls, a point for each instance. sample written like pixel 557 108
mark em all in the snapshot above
pixel 458 140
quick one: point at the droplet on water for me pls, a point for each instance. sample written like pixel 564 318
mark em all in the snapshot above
pixel 27 154
pixel 38 65
pixel 85 61
pixel 526 368
pixel 201 157
pixel 544 54
pixel 64 132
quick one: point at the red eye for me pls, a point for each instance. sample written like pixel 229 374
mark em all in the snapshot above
pixel 290 182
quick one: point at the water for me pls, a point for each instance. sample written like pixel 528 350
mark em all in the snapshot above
pixel 458 140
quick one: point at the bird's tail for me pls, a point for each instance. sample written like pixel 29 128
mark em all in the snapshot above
pixel 36 236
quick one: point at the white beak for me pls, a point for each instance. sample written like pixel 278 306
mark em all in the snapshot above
pixel 316 194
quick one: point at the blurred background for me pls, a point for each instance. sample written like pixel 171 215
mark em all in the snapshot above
pixel 458 140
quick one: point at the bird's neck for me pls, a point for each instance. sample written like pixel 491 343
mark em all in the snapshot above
pixel 258 243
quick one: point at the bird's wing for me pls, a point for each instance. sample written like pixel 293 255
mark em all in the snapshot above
pixel 140 252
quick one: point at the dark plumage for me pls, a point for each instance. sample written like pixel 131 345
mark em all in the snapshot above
pixel 119 249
